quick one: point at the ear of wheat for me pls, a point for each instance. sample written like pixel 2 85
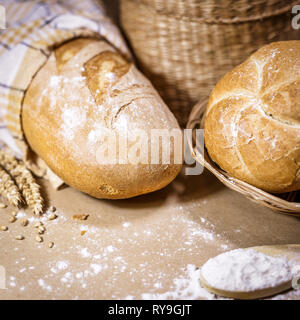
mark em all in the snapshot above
pixel 8 188
pixel 24 181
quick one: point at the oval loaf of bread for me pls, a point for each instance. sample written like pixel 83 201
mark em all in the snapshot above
pixel 252 126
pixel 84 88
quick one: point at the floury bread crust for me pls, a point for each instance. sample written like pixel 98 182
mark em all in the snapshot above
pixel 85 87
pixel 252 126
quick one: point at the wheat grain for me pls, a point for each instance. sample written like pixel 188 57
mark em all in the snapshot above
pixel 12 219
pixel 38 224
pixel 24 222
pixel 14 213
pixel 52 209
pixel 41 230
pixel 38 239
pixel 51 244
pixel 8 188
pixel 53 216
pixel 2 205
pixel 24 180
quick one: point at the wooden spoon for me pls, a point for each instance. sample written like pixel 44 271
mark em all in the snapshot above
pixel 290 252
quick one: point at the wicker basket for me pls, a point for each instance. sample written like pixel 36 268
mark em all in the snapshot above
pixel 285 203
pixel 185 46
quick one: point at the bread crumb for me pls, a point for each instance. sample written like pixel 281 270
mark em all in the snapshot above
pixel 19 237
pixel 2 205
pixel 3 228
pixel 80 216
pixel 82 233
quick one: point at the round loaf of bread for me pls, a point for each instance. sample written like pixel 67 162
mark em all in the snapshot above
pixel 85 88
pixel 252 124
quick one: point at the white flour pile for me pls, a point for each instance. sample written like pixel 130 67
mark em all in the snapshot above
pixel 246 270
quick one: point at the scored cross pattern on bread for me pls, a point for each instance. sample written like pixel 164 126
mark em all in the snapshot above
pixel 252 125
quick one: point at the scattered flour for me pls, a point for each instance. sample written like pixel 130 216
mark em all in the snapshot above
pixel 126 224
pixel 44 285
pixel 85 253
pixel 186 287
pixel 62 265
pixel 96 268
pixel 109 259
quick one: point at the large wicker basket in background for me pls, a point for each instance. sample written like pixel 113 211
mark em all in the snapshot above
pixel 185 46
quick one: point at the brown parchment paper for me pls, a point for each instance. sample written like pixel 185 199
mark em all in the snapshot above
pixel 134 248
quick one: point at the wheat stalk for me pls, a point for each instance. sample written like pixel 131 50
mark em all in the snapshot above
pixel 24 180
pixel 8 188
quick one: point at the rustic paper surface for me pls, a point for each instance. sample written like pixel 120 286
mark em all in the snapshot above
pixel 145 247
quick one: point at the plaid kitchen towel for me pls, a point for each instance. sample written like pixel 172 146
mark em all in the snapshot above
pixel 33 28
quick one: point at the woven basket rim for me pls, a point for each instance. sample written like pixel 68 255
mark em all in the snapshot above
pixel 264 15
pixel 255 194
